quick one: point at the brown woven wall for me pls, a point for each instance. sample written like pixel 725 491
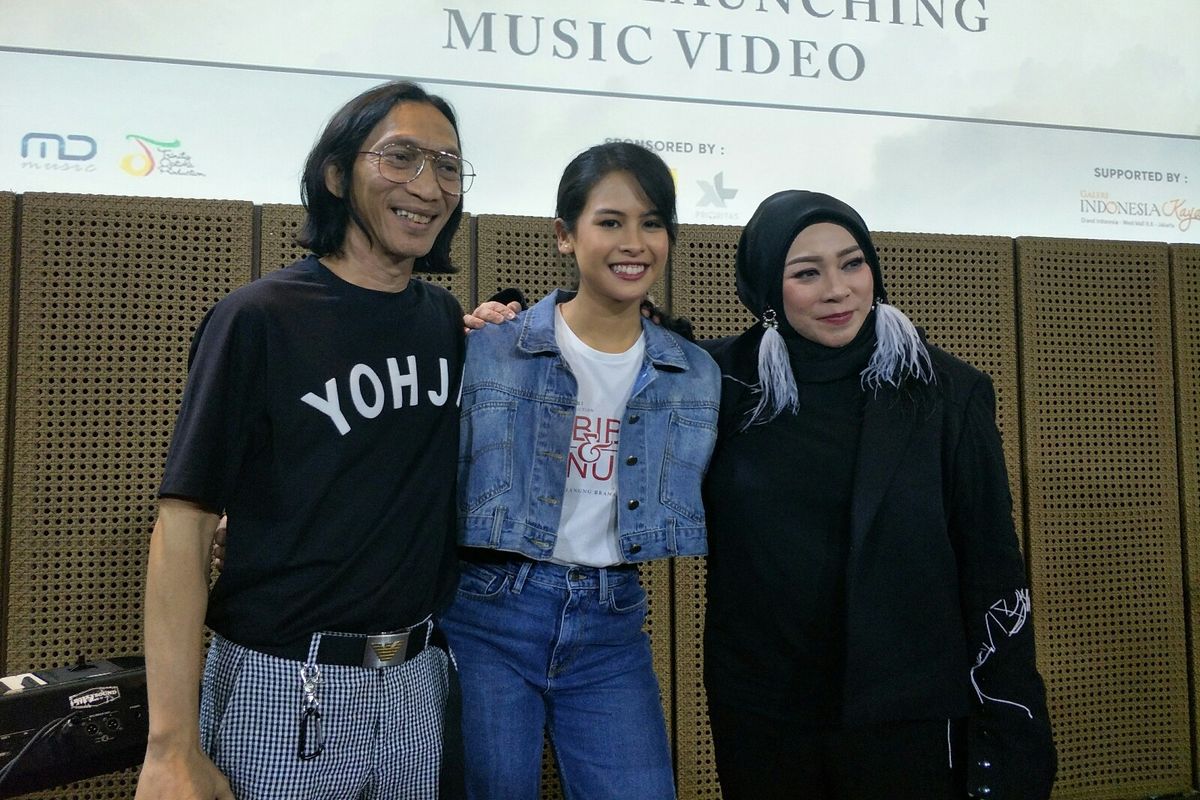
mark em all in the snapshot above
pixel 279 223
pixel 702 287
pixel 961 290
pixel 702 290
pixel 110 291
pixel 7 231
pixel 521 252
pixel 111 288
pixel 1185 282
pixel 1103 513
pixel 277 227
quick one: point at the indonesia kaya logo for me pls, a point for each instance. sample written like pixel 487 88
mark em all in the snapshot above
pixel 1172 213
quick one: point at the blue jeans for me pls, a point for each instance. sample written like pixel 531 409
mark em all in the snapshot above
pixel 545 647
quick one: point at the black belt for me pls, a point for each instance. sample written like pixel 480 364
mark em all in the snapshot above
pixel 361 650
pixel 489 555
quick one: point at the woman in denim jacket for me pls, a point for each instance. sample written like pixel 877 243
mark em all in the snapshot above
pixel 586 431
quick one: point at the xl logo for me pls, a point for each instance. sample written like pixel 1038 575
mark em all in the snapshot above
pixel 715 193
pixel 43 141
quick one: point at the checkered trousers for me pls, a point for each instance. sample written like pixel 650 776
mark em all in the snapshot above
pixel 381 728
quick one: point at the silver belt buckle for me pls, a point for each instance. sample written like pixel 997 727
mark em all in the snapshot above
pixel 385 650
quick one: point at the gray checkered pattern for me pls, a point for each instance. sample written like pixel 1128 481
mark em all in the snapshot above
pixel 382 728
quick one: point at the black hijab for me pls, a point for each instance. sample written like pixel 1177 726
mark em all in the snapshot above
pixel 769 234
pixel 899 350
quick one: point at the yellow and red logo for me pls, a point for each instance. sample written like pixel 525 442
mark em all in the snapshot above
pixel 153 155
pixel 142 162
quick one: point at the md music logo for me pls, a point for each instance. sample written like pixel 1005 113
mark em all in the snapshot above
pixel 51 151
pixel 152 155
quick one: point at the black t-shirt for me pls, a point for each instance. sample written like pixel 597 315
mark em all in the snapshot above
pixel 323 417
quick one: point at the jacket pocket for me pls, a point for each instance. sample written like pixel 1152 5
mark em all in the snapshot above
pixel 688 448
pixel 485 460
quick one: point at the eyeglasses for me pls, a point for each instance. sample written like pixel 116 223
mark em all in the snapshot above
pixel 402 163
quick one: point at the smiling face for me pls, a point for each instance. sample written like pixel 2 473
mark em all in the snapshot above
pixel 620 242
pixel 828 288
pixel 402 219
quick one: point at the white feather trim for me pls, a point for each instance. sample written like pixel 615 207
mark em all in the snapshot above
pixel 776 383
pixel 899 351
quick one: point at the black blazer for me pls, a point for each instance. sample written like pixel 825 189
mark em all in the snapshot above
pixel 937 599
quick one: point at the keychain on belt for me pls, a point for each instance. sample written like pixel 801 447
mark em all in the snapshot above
pixel 312 738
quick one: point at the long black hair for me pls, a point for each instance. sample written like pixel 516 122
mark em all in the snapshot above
pixel 324 229
pixel 594 164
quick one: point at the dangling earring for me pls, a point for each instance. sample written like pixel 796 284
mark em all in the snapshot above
pixel 899 351
pixel 776 384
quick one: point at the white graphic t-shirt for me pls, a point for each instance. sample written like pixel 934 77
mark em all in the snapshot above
pixel 587 533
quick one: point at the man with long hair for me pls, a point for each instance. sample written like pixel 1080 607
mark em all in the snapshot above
pixel 321 414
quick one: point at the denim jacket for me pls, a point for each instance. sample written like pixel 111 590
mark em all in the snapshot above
pixel 518 409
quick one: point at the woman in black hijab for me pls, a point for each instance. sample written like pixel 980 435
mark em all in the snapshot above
pixel 868 628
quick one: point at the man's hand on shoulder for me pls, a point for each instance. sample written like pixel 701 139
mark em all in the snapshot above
pixel 490 312
pixel 218 545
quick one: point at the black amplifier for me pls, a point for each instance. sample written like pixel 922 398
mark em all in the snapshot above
pixel 63 725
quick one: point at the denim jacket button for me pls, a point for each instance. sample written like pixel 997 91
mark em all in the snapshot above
pixel 631 460
pixel 635 548
pixel 633 504
pixel 634 418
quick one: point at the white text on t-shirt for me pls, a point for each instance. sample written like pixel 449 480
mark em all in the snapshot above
pixel 367 395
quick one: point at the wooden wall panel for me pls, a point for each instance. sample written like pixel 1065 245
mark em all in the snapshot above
pixel 1098 399
pixel 962 291
pixel 702 289
pixel 8 223
pixel 1185 282
pixel 1094 359
pixel 110 291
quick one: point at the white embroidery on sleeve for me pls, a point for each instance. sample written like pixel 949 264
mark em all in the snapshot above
pixel 1006 619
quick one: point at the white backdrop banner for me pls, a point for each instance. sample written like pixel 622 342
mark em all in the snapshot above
pixel 1008 117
